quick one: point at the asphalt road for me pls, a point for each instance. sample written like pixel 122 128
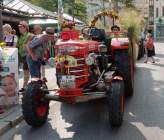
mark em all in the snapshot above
pixel 143 120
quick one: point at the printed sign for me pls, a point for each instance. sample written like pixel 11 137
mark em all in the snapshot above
pixel 67 81
pixel 9 76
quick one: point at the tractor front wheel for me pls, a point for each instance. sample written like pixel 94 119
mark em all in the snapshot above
pixel 34 106
pixel 116 103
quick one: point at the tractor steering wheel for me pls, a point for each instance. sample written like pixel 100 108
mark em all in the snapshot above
pixel 86 32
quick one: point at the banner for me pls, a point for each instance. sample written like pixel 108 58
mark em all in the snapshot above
pixel 9 84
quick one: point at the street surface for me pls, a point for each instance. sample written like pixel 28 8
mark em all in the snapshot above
pixel 143 120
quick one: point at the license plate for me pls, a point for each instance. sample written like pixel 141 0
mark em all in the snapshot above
pixel 67 81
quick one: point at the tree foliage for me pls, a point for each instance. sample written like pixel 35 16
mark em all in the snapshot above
pixel 50 5
pixel 76 8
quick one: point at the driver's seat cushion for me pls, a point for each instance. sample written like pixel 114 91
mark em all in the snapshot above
pixel 97 34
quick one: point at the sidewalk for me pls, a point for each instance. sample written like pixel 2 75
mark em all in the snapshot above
pixel 13 116
pixel 10 118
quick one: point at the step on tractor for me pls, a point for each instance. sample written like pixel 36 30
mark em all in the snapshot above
pixel 98 66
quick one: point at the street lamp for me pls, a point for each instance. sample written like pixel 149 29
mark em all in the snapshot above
pixel 1 22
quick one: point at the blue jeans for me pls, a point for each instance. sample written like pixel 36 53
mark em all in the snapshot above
pixel 34 67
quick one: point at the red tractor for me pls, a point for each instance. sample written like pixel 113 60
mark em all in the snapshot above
pixel 101 67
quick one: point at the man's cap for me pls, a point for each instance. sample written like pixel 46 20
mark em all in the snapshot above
pixel 50 30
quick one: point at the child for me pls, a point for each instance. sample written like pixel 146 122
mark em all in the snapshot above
pixel 150 48
pixel 9 88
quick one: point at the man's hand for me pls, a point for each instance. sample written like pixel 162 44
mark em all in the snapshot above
pixel 25 46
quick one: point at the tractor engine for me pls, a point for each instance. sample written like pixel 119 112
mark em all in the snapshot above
pixel 79 65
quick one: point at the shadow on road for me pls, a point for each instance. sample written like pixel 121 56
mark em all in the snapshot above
pixel 89 121
pixel 146 107
pixel 46 132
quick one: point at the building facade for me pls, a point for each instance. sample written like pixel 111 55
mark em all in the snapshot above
pixel 159 19
pixel 94 6
pixel 143 7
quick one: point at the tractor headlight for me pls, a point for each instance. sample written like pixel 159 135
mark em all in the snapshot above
pixel 90 59
pixel 103 48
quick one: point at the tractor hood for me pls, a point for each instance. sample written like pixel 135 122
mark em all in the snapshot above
pixel 91 45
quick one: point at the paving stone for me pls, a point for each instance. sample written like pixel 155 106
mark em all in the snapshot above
pixel 10 118
pixel 15 117
pixel 4 126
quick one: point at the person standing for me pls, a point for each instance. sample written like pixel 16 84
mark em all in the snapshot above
pixel 150 48
pixel 37 30
pixel 37 48
pixel 23 40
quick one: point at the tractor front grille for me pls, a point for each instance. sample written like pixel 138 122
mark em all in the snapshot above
pixel 80 71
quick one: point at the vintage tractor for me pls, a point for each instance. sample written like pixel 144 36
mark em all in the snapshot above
pixel 88 69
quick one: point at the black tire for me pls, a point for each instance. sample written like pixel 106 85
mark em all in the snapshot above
pixel 141 50
pixel 125 65
pixel 116 103
pixel 34 106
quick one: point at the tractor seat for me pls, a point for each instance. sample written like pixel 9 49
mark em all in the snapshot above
pixel 97 34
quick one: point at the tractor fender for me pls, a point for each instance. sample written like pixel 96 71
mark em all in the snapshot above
pixel 114 79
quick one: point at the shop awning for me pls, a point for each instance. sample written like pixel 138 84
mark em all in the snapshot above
pixel 43 21
pixel 32 10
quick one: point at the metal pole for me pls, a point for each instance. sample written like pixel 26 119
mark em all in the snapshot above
pixel 73 12
pixel 104 9
pixel 60 14
pixel 1 22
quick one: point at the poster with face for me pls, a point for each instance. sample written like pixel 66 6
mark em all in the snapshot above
pixel 8 76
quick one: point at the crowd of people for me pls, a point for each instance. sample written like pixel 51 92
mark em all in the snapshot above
pixel 33 49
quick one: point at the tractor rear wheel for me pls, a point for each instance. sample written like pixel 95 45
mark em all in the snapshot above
pixel 116 103
pixel 34 106
pixel 124 63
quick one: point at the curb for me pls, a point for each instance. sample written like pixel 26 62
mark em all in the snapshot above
pixel 13 117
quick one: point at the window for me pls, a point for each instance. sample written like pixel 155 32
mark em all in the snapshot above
pixel 156 12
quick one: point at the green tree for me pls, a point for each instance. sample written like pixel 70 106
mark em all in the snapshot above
pixel 77 8
pixel 50 5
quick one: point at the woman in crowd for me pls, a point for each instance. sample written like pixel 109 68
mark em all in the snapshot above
pixel 150 48
pixel 9 38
